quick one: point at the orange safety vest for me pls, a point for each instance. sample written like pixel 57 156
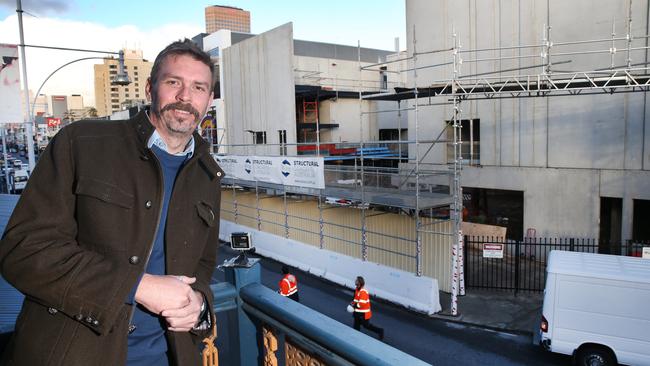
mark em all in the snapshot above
pixel 288 285
pixel 362 302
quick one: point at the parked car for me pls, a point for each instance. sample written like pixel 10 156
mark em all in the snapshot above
pixel 596 308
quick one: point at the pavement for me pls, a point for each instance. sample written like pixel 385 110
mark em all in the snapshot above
pixel 496 310
pixel 492 328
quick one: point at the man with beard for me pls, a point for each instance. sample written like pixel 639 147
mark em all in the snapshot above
pixel 113 242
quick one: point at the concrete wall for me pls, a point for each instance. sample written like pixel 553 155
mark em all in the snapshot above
pixel 346 112
pixel 259 89
pixel 417 293
pixel 335 74
pixel 564 152
pixel 345 75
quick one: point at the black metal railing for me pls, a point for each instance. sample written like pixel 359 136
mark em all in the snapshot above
pixel 498 263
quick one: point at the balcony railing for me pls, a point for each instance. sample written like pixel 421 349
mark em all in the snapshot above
pixel 269 329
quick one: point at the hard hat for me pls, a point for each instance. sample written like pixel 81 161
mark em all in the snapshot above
pixel 350 309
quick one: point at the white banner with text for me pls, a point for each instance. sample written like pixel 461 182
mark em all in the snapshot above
pixel 287 170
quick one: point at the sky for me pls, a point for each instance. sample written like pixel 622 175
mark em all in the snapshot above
pixel 151 25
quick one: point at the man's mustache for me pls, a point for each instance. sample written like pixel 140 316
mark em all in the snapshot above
pixel 181 107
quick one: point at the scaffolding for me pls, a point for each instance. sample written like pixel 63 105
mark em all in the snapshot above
pixel 631 77
pixel 406 186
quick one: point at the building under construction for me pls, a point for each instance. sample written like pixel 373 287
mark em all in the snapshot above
pixel 505 113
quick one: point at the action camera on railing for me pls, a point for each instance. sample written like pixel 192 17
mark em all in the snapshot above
pixel 241 241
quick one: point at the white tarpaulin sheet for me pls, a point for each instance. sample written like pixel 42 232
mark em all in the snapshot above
pixel 287 170
pixel 10 107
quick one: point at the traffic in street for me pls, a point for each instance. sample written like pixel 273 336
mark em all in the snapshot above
pixel 15 169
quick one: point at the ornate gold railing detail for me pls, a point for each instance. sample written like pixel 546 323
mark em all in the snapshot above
pixel 210 352
pixel 296 356
pixel 270 347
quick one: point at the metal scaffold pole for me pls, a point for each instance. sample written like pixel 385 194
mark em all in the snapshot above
pixel 321 231
pixel 456 186
pixel 286 212
pixel 418 222
pixel 257 206
pixel 364 234
pixel 234 204
pixel 629 34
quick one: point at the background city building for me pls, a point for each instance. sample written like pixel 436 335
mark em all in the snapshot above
pixel 58 106
pixel 227 17
pixel 110 98
pixel 75 101
pixel 309 91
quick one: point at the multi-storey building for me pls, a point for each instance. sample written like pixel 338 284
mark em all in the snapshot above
pixel 58 106
pixel 313 97
pixel 110 98
pixel 227 17
pixel 75 101
pixel 554 164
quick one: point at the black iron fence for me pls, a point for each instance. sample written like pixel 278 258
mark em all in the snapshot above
pixel 495 263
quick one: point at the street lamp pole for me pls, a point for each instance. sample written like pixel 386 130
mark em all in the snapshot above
pixel 121 79
pixel 29 126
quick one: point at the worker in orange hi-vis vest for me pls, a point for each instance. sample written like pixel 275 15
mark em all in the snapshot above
pixel 362 312
pixel 289 285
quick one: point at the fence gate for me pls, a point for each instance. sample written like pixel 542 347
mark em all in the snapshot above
pixel 495 263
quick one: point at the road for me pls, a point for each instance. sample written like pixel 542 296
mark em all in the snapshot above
pixel 435 341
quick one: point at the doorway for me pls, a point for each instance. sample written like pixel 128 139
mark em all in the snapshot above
pixel 611 214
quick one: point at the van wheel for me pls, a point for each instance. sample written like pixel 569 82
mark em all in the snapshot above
pixel 595 356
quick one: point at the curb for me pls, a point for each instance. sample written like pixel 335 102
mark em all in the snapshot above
pixel 454 319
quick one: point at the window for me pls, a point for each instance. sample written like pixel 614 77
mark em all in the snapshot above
pixel 135 67
pixel 383 79
pixel 115 100
pixel 115 106
pixel 259 137
pixel 282 136
pixel 112 72
pixel 470 136
pixel 112 66
pixel 137 95
pixel 113 89
pixel 135 73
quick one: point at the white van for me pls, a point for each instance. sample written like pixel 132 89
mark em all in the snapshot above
pixel 597 308
pixel 20 180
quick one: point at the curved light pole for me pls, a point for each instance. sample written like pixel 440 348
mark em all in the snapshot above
pixel 122 78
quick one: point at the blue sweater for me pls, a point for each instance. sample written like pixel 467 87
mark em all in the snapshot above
pixel 147 344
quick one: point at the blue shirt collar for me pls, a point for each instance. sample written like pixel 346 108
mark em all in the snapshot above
pixel 157 140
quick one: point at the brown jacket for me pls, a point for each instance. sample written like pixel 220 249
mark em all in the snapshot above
pixel 80 236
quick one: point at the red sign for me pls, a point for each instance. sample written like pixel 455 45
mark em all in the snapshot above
pixel 53 122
